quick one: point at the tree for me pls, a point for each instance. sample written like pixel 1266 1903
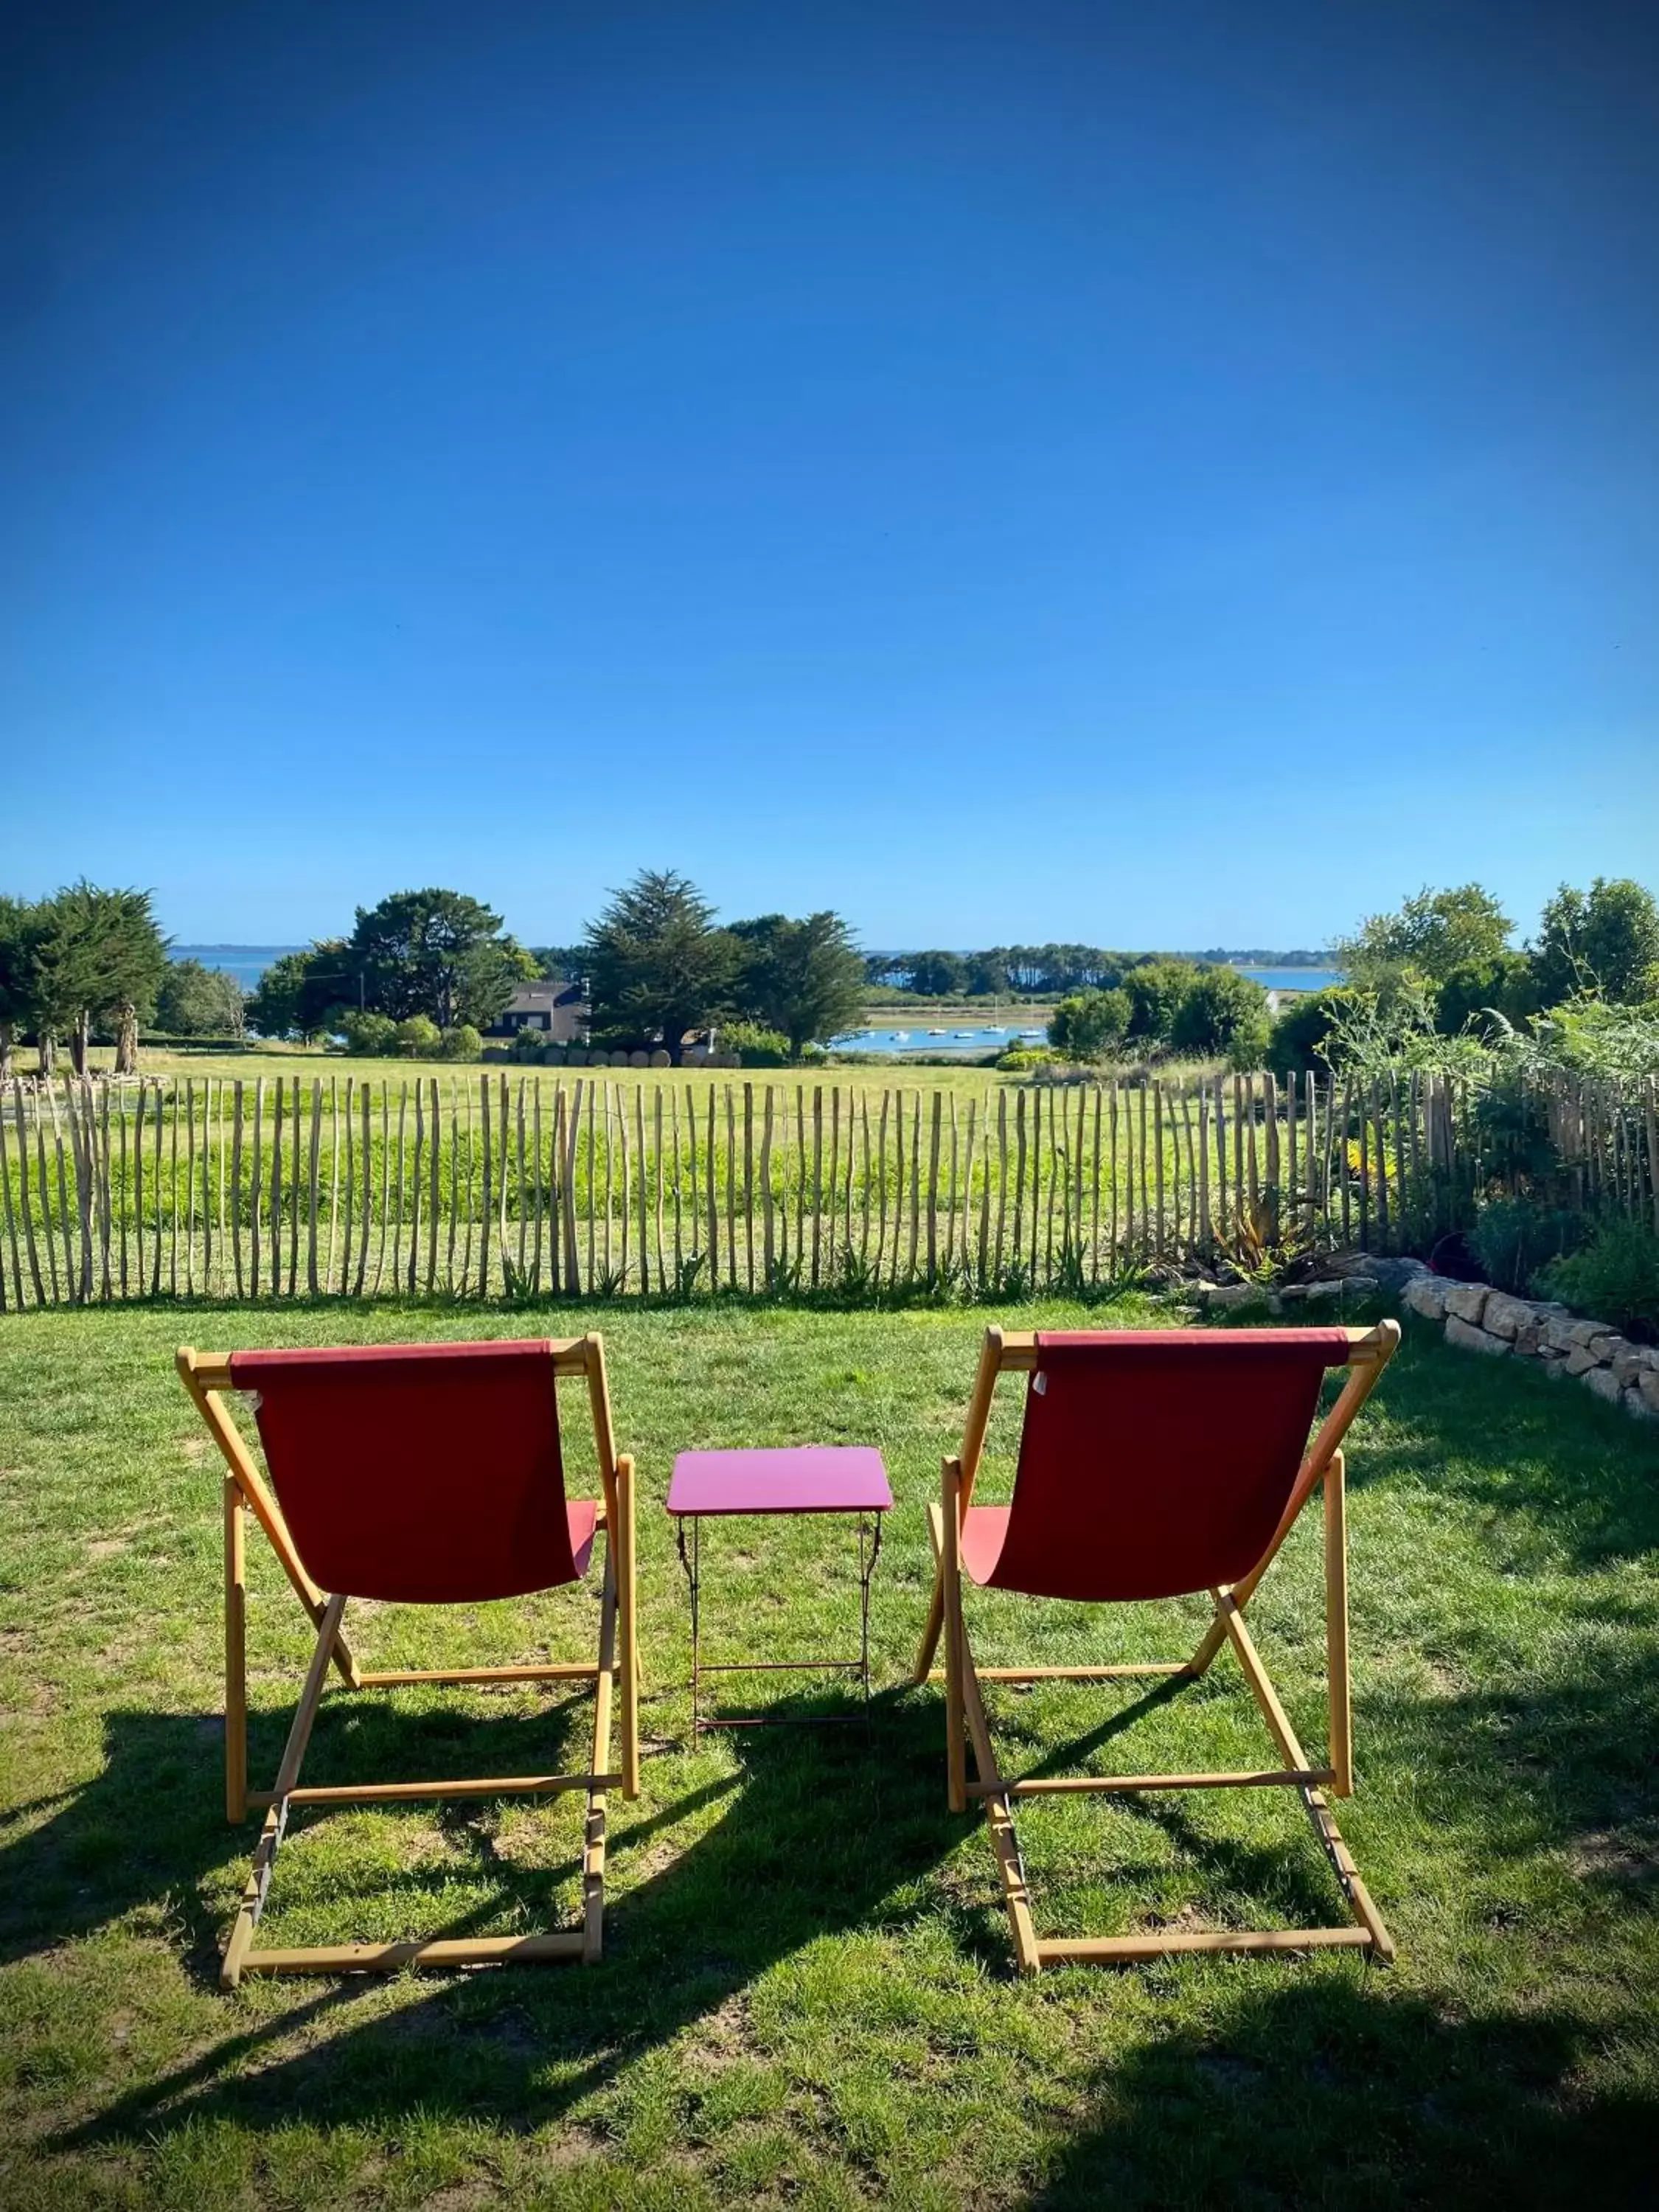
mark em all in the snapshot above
pixel 1155 990
pixel 1305 1036
pixel 1431 935
pixel 368 1035
pixel 1602 943
pixel 937 975
pixel 656 964
pixel 100 958
pixel 419 1037
pixel 20 983
pixel 803 978
pixel 198 1001
pixel 286 1000
pixel 1222 1012
pixel 988 975
pixel 1091 1025
pixel 435 953
pixel 1478 989
pixel 557 962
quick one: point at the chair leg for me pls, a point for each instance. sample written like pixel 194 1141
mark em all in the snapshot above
pixel 627 1629
pixel 930 1635
pixel 594 1837
pixel 288 1774
pixel 1336 1628
pixel 999 1813
pixel 950 1580
pixel 235 1655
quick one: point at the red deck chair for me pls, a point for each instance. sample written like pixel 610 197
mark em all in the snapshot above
pixel 426 1474
pixel 1154 1464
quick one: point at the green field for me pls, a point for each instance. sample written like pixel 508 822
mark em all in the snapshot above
pixel 289 1061
pixel 807 1996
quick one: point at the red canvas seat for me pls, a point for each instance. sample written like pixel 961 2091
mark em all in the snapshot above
pixel 1154 1464
pixel 429 1474
pixel 423 1474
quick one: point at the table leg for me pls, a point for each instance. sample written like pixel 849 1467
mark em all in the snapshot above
pixel 693 1566
pixel 868 1528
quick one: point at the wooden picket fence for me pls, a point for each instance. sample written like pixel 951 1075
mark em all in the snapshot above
pixel 495 1187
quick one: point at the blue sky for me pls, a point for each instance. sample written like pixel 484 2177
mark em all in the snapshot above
pixel 1149 476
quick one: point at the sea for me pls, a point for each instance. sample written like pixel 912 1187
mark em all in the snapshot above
pixel 246 962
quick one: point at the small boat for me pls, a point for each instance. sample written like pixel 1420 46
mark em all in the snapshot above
pixel 967 1033
pixel 901 1036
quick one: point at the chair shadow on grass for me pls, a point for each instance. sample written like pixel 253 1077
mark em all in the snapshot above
pixel 1332 2086
pixel 828 1831
pixel 822 1830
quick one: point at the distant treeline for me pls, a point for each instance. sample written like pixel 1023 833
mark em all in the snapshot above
pixel 1045 970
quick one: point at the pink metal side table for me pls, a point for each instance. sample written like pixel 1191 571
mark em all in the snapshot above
pixel 847 1478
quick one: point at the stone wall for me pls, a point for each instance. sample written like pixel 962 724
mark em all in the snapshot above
pixel 1477 1318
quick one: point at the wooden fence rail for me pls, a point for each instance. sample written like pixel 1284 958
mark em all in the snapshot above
pixel 497 1187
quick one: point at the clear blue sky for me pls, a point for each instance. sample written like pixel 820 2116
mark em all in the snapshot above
pixel 1178 474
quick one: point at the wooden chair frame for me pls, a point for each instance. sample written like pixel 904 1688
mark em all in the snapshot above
pixel 207 1377
pixel 1369 1353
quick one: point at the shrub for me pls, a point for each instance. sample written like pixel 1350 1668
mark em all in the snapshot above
pixel 1515 1238
pixel 1222 1011
pixel 1021 1058
pixel 369 1034
pixel 1092 1025
pixel 1306 1034
pixel 462 1042
pixel 1516 1126
pixel 1155 990
pixel 754 1045
pixel 1614 1278
pixel 1486 995
pixel 419 1037
pixel 198 1001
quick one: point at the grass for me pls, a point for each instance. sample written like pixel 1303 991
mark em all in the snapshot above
pixel 289 1061
pixel 868 1073
pixel 807 1996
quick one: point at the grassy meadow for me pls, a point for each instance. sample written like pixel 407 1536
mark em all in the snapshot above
pixel 807 1996
pixel 288 1060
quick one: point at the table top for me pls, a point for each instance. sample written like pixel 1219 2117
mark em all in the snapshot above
pixel 795 1479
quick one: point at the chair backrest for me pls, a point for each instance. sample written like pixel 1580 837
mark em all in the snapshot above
pixel 1154 1462
pixel 423 1473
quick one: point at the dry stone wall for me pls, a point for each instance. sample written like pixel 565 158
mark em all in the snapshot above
pixel 1477 1318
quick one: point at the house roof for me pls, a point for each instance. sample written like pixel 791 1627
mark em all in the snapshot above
pixel 534 998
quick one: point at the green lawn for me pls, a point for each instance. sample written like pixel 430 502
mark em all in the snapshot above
pixel 807 1996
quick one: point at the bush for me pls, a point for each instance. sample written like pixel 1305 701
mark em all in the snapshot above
pixel 462 1042
pixel 1614 1278
pixel 198 1001
pixel 1021 1058
pixel 1486 996
pixel 1515 1238
pixel 419 1037
pixel 1222 1011
pixel 369 1035
pixel 754 1045
pixel 1092 1025
pixel 1156 991
pixel 1303 1037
